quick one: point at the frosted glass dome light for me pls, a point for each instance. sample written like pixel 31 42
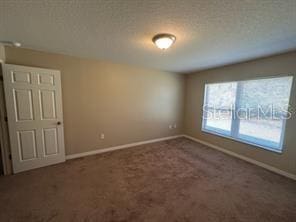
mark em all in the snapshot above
pixel 164 41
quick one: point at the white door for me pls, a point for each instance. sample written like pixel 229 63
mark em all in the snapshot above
pixel 35 119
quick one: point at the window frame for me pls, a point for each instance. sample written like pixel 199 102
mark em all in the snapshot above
pixel 235 122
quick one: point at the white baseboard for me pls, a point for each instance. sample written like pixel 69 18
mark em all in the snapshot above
pixel 268 167
pixel 104 150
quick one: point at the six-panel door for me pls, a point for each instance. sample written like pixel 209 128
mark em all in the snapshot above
pixel 34 109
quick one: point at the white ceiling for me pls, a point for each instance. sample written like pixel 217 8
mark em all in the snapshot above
pixel 209 32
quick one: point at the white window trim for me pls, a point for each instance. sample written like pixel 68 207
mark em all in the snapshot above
pixel 235 121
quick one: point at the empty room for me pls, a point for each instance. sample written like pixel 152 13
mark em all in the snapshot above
pixel 148 110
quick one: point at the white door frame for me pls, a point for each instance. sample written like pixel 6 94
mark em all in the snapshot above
pixel 4 137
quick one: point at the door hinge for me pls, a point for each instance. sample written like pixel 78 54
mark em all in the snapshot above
pixel 6 119
pixel 1 78
pixel 9 156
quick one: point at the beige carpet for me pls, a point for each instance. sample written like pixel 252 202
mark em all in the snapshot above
pixel 173 181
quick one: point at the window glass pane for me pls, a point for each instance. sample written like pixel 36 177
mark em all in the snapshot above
pixel 262 132
pixel 219 106
pixel 263 107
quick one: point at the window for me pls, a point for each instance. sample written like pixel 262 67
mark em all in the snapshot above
pixel 252 112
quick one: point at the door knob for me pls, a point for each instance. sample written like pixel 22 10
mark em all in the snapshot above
pixel 59 123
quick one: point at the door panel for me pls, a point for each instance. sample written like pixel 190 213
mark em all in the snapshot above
pixel 46 79
pixel 21 77
pixel 48 104
pixel 50 141
pixel 27 144
pixel 22 99
pixel 34 108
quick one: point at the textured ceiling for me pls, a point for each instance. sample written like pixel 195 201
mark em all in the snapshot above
pixel 209 32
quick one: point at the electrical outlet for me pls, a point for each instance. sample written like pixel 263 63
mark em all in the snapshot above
pixel 170 126
pixel 102 136
pixel 175 126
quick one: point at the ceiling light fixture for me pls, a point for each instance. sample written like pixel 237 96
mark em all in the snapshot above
pixel 10 43
pixel 164 40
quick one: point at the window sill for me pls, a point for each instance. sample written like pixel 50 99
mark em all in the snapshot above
pixel 242 141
